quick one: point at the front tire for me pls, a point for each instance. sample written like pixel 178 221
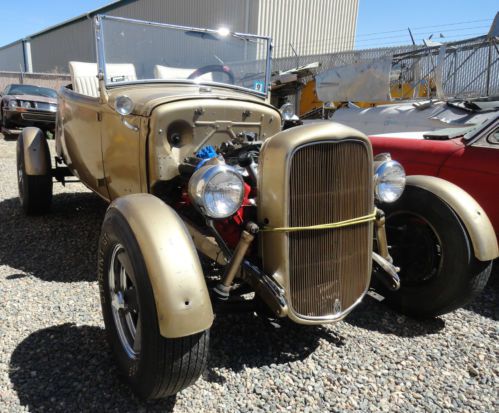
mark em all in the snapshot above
pixel 439 272
pixel 153 366
pixel 35 191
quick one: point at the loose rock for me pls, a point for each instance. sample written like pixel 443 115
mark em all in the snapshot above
pixel 54 355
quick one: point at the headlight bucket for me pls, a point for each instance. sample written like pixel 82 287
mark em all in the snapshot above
pixel 288 112
pixel 389 178
pixel 12 104
pixel 217 191
pixel 123 105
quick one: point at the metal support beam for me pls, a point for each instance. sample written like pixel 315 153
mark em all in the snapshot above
pixel 28 63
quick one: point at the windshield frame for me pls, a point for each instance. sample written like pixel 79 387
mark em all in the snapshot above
pixel 101 67
pixel 476 133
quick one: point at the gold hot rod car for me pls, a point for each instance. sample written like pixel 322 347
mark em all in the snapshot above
pixel 213 205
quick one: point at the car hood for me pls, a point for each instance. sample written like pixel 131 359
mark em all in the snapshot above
pixel 148 96
pixel 33 98
pixel 402 118
pixel 418 156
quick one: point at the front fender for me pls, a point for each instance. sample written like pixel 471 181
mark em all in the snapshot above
pixel 36 151
pixel 182 300
pixel 474 218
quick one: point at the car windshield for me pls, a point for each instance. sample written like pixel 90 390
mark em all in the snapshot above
pixel 31 90
pixel 135 51
pixel 471 133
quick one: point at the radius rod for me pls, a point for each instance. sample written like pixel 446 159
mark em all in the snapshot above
pixel 234 265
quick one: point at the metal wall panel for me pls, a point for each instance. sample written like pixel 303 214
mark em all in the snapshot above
pixel 12 58
pixel 51 51
pixel 312 26
pixel 206 13
pixel 233 14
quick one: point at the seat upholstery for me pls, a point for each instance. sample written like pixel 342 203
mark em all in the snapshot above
pixel 84 76
pixel 167 72
pixel 120 72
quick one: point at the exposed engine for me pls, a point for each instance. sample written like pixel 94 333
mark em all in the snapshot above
pixel 240 158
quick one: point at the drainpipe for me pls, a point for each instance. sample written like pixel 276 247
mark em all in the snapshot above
pixel 246 26
pixel 28 64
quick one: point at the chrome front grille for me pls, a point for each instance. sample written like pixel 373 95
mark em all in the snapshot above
pixel 329 269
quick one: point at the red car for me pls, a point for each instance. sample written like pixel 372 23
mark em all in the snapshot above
pixel 467 157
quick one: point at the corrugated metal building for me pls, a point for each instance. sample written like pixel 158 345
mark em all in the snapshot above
pixel 304 27
pixel 12 57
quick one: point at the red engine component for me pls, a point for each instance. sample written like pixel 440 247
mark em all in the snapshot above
pixel 230 228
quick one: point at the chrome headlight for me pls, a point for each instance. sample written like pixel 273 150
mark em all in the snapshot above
pixel 288 112
pixel 389 178
pixel 217 190
pixel 123 105
pixel 12 104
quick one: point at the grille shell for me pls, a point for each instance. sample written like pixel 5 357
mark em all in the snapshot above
pixel 329 270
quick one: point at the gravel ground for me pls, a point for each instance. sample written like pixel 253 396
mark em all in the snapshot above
pixel 54 356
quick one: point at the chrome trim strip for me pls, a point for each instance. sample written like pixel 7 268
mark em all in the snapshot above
pixel 187 82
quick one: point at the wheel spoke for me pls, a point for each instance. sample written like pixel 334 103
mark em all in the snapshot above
pixel 124 304
pixel 123 276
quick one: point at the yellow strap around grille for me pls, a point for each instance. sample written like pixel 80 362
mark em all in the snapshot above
pixel 340 224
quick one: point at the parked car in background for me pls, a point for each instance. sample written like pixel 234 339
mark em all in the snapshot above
pixel 466 156
pixel 27 105
pixel 211 200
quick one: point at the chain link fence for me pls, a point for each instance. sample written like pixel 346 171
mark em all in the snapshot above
pixel 463 69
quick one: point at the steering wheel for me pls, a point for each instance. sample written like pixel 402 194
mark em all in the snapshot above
pixel 214 68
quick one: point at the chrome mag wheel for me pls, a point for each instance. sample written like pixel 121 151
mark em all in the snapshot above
pixel 124 302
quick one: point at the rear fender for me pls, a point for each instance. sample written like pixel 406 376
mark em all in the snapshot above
pixel 182 300
pixel 471 214
pixel 36 151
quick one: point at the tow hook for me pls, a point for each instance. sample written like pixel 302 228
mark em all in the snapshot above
pixel 389 277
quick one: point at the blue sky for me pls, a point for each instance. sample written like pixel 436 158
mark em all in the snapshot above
pixel 454 19
pixel 20 18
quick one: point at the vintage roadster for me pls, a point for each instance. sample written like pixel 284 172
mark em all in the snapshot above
pixel 213 206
